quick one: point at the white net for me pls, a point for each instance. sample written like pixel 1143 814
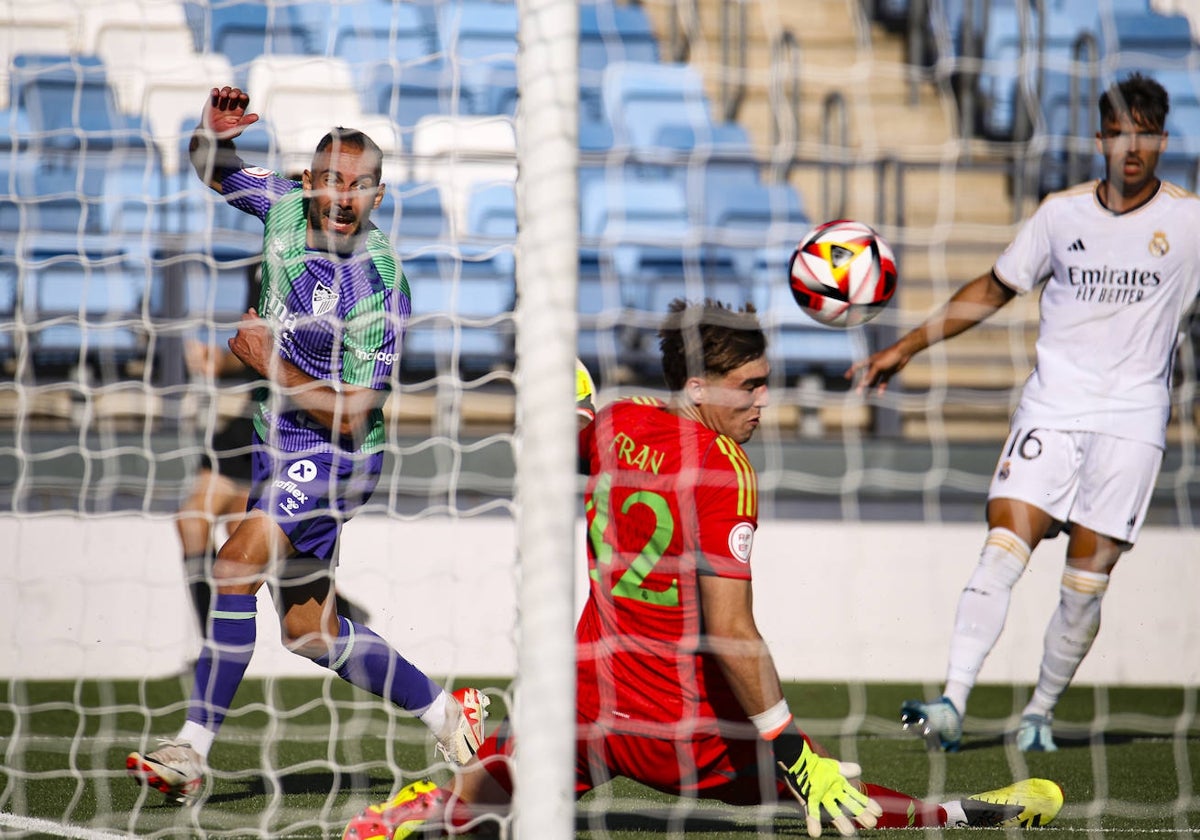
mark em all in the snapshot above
pixel 711 134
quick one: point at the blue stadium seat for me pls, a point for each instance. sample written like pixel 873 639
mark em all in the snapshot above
pixel 642 100
pixel 1003 48
pixel 68 103
pixel 243 30
pixel 411 214
pixel 479 39
pixel 406 93
pixel 370 30
pixel 461 316
pixel 478 30
pixel 59 200
pixel 83 308
pixel 740 221
pixel 1162 40
pixel 610 33
pixel 213 293
pixel 492 212
pixel 396 64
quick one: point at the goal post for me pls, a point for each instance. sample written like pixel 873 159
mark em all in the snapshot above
pixel 546 509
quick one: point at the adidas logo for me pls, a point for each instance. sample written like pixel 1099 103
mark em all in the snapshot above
pixel 1077 245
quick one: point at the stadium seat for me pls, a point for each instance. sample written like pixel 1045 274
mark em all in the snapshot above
pixel 83 308
pixel 370 30
pixel 1059 30
pixel 1152 39
pixel 409 93
pixel 305 96
pixel 411 214
pixel 461 315
pixel 37 29
pixel 397 67
pixel 492 223
pixel 69 103
pixel 171 101
pixel 245 31
pixel 459 153
pixel 58 202
pixel 479 41
pixel 740 221
pixel 641 100
pixel 610 33
pixel 478 31
pixel 211 294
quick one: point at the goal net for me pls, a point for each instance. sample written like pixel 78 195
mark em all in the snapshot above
pixel 557 172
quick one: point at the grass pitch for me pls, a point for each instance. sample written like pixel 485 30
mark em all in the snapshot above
pixel 298 757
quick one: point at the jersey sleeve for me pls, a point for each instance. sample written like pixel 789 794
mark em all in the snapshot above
pixel 727 510
pixel 1026 260
pixel 254 190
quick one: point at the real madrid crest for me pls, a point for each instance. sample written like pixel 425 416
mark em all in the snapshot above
pixel 1159 244
pixel 324 299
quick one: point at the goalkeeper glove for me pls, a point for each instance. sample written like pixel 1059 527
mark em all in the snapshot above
pixel 585 393
pixel 824 783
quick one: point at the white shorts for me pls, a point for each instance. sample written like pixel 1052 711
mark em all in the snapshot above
pixel 1102 482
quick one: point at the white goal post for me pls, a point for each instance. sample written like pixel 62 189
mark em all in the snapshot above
pixel 546 509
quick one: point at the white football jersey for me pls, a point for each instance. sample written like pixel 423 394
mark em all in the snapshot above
pixel 1117 289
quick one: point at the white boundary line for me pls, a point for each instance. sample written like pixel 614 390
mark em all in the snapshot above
pixel 55 829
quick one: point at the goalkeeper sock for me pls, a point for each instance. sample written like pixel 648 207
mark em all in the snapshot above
pixel 363 659
pixel 1069 636
pixel 902 811
pixel 223 659
pixel 982 609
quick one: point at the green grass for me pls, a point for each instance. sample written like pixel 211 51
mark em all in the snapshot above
pixel 297 758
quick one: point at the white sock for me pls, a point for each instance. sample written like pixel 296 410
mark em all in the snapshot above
pixel 982 608
pixel 200 738
pixel 956 817
pixel 436 715
pixel 1069 636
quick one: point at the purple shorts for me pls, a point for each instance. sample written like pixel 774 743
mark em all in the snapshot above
pixel 311 495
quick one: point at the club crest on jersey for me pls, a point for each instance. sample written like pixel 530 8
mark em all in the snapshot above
pixel 1004 471
pixel 324 299
pixel 1159 246
pixel 257 171
pixel 741 540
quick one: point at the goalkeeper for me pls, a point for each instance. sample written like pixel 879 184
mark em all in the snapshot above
pixel 676 688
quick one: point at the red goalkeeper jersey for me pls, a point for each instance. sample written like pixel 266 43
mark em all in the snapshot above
pixel 668 500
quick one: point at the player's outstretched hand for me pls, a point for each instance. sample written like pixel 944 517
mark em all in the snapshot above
pixel 225 112
pixel 823 787
pixel 875 370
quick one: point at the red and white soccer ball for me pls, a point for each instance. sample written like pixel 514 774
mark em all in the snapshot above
pixel 843 273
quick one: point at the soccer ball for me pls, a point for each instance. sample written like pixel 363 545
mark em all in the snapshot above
pixel 842 273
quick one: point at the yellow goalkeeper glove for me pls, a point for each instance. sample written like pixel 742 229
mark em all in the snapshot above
pixel 824 783
pixel 585 393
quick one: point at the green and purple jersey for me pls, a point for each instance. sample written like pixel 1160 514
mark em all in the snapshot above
pixel 337 319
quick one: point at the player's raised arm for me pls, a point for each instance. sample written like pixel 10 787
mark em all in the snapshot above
pixel 224 117
pixel 974 302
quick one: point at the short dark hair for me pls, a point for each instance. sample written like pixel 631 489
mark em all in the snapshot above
pixel 356 139
pixel 1137 97
pixel 709 338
